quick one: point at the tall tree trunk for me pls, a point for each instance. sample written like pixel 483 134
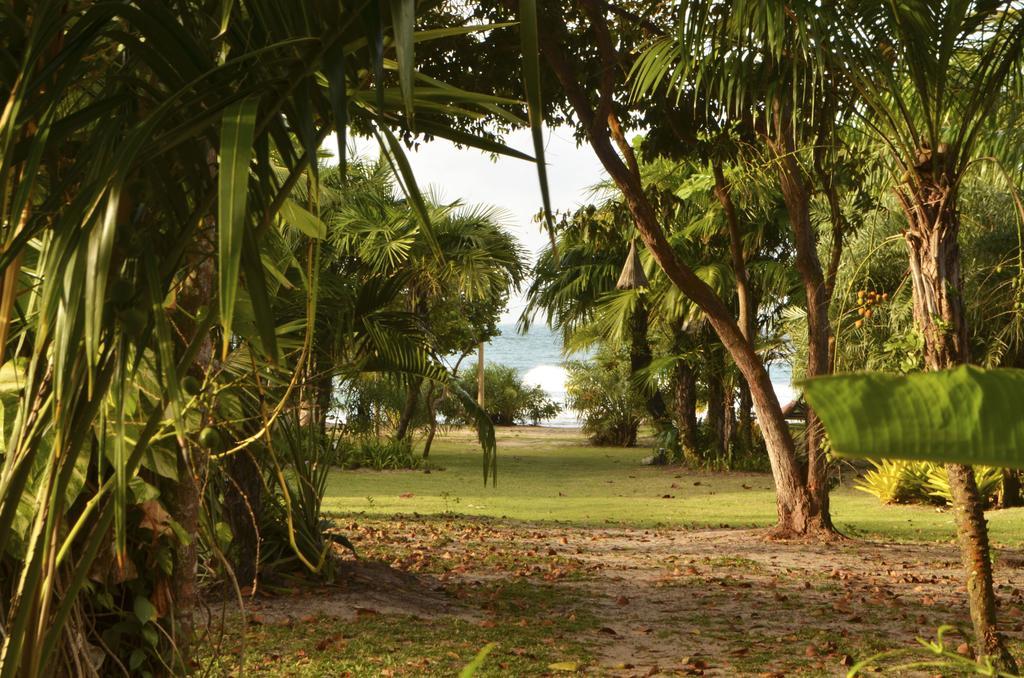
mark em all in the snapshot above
pixel 932 243
pixel 640 357
pixel 432 403
pixel 1010 495
pixel 412 401
pixel 197 292
pixel 728 419
pixel 744 297
pixel 797 198
pixel 685 384
pixel 745 418
pixel 715 418
pixel 480 395
pixel 798 513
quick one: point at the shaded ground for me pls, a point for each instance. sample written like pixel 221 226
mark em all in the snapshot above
pixel 621 602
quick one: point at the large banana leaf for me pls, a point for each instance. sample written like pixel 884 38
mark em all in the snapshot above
pixel 966 415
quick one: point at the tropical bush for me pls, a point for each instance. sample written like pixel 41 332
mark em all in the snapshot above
pixel 379 454
pixel 507 400
pixel 600 390
pixel 901 481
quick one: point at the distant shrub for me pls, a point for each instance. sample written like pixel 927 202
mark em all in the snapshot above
pixel 912 482
pixel 379 454
pixel 601 392
pixel 507 400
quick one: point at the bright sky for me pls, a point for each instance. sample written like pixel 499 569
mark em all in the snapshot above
pixel 475 178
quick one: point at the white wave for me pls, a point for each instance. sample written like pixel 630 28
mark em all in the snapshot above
pixel 551 378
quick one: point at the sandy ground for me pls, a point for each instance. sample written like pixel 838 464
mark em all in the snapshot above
pixel 680 602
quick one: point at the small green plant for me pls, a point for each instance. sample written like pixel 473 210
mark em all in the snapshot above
pixel 448 499
pixel 937 656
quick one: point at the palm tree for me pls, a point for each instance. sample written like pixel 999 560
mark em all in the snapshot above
pixel 483 264
pixel 931 78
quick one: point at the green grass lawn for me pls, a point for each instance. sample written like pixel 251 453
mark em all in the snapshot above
pixel 550 475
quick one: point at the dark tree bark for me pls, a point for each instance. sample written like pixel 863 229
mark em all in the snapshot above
pixel 685 383
pixel 243 498
pixel 1010 496
pixel 745 299
pixel 192 458
pixel 715 418
pixel 745 418
pixel 432 403
pixel 412 401
pixel 640 357
pixel 932 237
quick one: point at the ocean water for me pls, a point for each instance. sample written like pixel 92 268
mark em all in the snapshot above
pixel 537 356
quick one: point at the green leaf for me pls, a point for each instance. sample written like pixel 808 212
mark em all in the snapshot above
pixel 136 659
pixel 183 537
pixel 151 636
pixel 301 219
pixel 966 415
pixel 337 89
pixel 403 22
pixel 237 128
pixel 144 610
pixel 407 179
pixel 223 532
pixel 531 80
pixel 141 491
pixel 13 375
pixel 470 669
pixel 571 667
pixel 256 286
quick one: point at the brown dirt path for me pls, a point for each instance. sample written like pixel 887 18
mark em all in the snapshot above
pixel 680 602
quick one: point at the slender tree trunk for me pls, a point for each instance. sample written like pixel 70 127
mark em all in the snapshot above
pixel 798 513
pixel 747 315
pixel 728 420
pixel 744 297
pixel 243 501
pixel 934 251
pixel 745 418
pixel 412 401
pixel 480 377
pixel 432 403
